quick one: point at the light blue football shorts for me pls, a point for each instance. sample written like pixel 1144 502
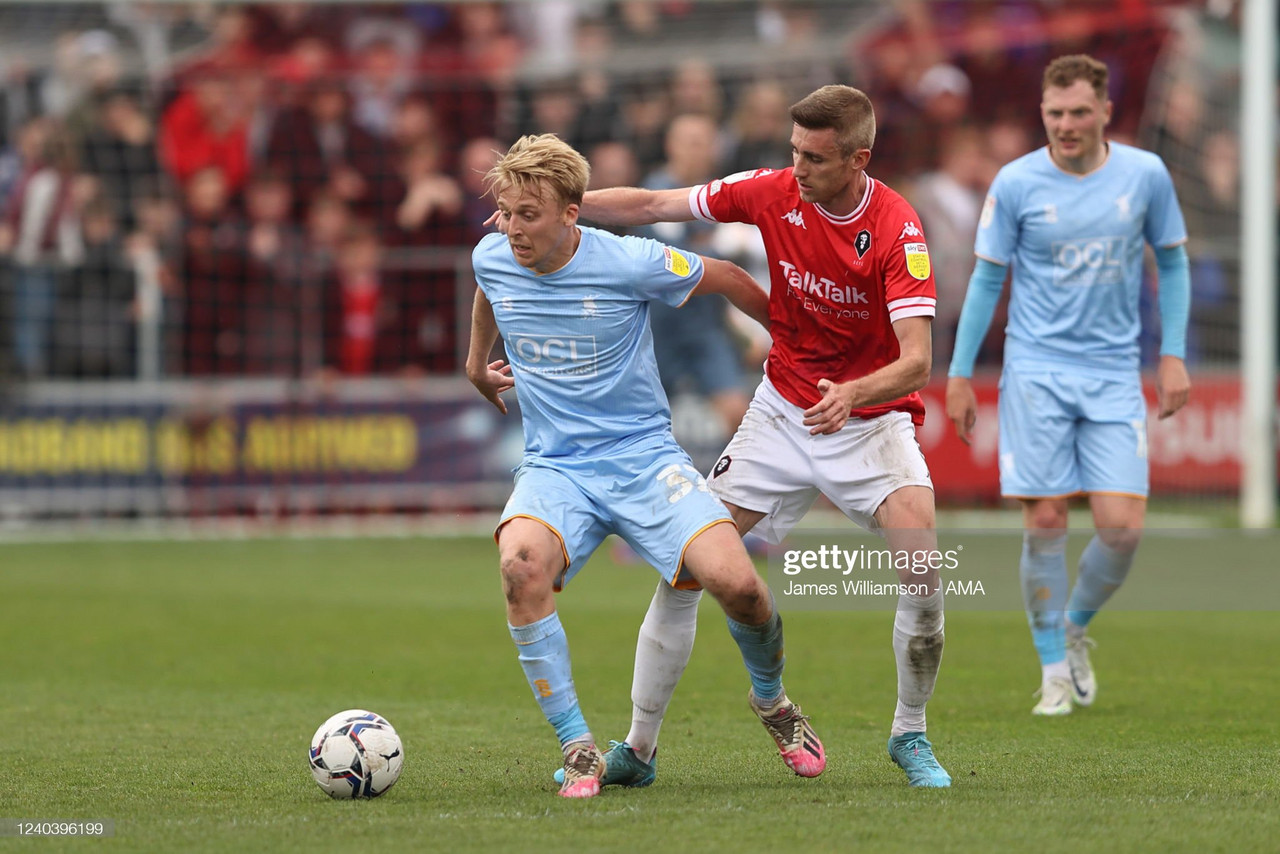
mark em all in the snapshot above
pixel 1065 433
pixel 658 502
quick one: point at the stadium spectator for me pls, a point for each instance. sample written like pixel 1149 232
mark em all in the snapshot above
pixel 949 200
pixel 120 152
pixel 478 156
pixel 758 129
pixel 646 112
pixel 228 46
pixel 429 209
pixel 488 45
pixel 98 70
pixel 213 277
pixel 851 300
pixel 319 147
pixel 383 50
pixel 94 328
pixel 1072 219
pixel 604 463
pixel 155 250
pixel 206 127
pixel 613 164
pixel 41 234
pixel 415 121
pixel 692 343
pixel 275 251
pixel 358 307
pixel 696 89
pixel 328 221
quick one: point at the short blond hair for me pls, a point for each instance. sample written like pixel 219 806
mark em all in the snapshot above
pixel 537 161
pixel 845 110
pixel 1065 70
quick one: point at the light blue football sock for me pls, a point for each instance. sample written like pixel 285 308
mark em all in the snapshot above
pixel 1102 571
pixel 763 654
pixel 544 656
pixel 1043 570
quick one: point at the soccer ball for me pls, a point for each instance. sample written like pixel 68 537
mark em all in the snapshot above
pixel 356 754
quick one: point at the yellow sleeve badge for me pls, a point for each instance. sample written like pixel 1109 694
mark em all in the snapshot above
pixel 917 260
pixel 679 265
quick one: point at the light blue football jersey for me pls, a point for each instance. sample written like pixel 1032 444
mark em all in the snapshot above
pixel 1075 243
pixel 579 343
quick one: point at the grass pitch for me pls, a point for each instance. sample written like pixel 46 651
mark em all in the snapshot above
pixel 173 688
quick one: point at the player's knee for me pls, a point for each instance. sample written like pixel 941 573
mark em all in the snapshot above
pixel 744 597
pixel 1123 538
pixel 1046 519
pixel 523 575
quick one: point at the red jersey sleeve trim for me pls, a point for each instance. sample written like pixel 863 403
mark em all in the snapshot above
pixel 698 203
pixel 913 311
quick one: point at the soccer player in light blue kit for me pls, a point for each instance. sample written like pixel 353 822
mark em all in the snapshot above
pixel 571 304
pixel 1072 219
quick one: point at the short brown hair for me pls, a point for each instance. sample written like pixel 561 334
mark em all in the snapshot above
pixel 541 159
pixel 1065 70
pixel 845 110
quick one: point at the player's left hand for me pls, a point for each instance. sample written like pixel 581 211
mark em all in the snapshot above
pixel 493 381
pixel 1173 386
pixel 831 413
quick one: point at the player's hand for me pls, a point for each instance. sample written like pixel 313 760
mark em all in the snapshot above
pixel 493 381
pixel 962 407
pixel 495 219
pixel 831 413
pixel 1173 386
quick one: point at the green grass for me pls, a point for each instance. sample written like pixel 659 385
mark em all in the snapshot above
pixel 173 687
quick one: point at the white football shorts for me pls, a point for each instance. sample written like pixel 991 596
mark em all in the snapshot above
pixel 773 466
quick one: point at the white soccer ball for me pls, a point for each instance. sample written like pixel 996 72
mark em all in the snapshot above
pixel 356 754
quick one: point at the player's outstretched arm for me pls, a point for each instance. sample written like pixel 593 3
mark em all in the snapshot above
pixel 737 285
pixel 908 373
pixel 980 300
pixel 1173 384
pixel 491 378
pixel 634 206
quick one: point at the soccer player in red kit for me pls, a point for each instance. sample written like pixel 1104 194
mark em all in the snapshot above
pixel 851 304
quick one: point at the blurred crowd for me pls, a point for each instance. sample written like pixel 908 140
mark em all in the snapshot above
pixel 287 189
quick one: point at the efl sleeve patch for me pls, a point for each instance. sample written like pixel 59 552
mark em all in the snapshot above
pixel 917 260
pixel 677 264
pixel 988 212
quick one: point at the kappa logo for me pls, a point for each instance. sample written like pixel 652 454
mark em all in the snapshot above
pixel 862 243
pixel 507 304
pixel 589 308
pixel 1050 213
pixel 1122 203
pixel 910 229
pixel 795 217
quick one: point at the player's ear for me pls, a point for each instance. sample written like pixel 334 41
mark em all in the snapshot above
pixel 861 158
pixel 571 214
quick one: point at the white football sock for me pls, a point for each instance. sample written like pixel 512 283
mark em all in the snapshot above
pixel 662 651
pixel 1057 670
pixel 917 646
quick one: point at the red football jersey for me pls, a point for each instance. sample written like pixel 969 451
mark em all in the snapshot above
pixel 837 284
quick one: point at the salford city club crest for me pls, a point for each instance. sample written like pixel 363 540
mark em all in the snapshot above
pixel 862 243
